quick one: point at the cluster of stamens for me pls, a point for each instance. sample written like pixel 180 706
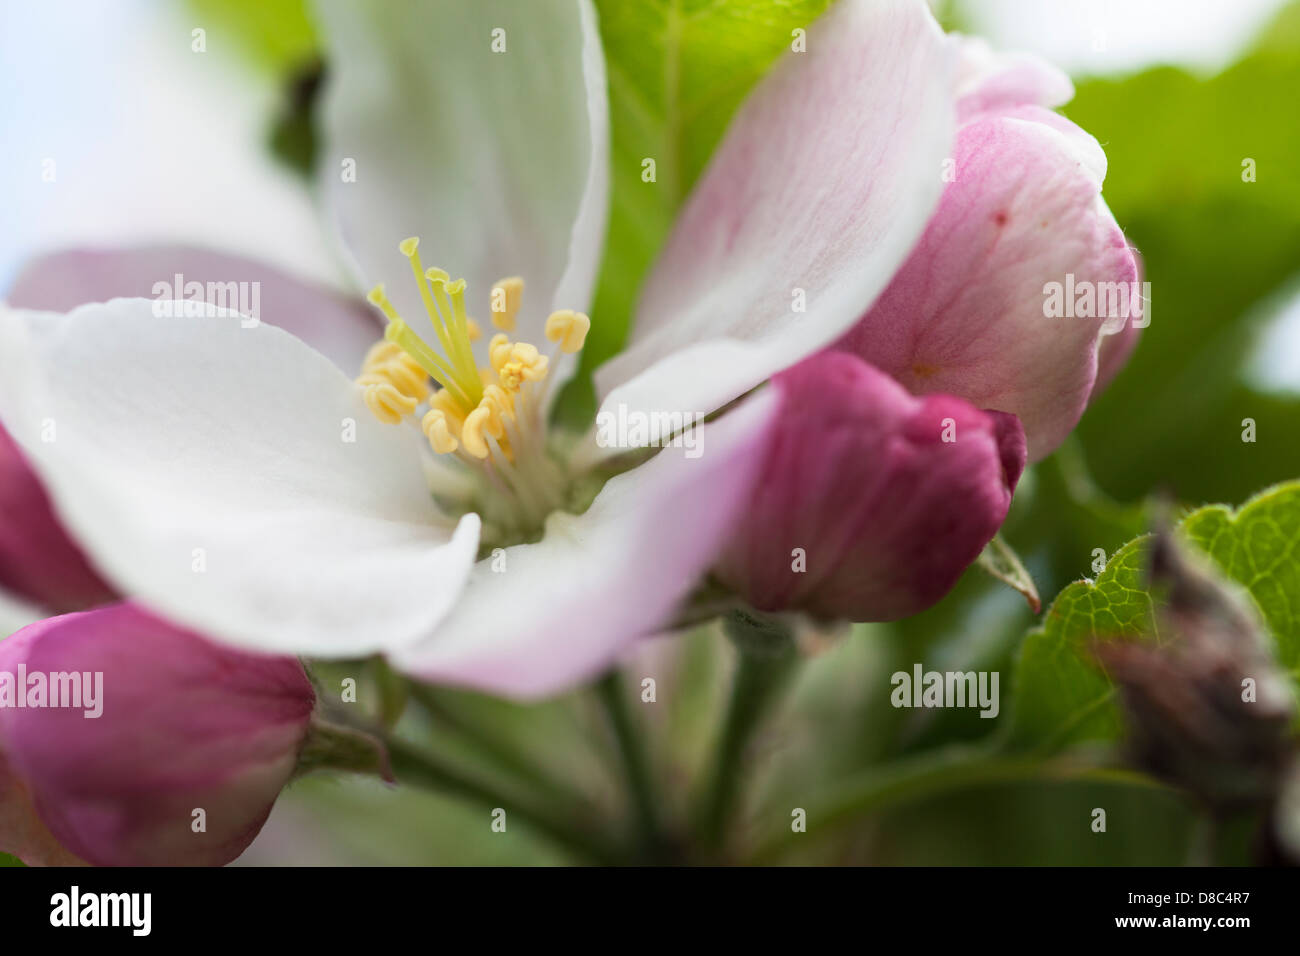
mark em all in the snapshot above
pixel 488 416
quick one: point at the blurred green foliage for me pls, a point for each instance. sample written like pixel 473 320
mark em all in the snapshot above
pixel 1213 245
pixel 273 36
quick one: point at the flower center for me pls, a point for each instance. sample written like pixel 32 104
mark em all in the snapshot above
pixel 489 418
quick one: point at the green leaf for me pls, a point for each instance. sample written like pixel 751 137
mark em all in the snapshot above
pixel 1062 697
pixel 677 71
pixel 1213 246
pixel 1259 548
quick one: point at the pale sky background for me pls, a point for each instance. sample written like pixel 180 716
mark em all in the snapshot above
pixel 1119 36
pixel 151 141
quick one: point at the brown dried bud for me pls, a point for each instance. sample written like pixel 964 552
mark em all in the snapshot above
pixel 1207 708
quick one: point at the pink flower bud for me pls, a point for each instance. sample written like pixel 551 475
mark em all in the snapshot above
pixel 871 502
pixel 164 749
pixel 1022 275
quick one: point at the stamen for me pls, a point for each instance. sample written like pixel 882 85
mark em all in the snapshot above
pixel 472 435
pixel 429 360
pixel 388 360
pixel 439 432
pixel 460 353
pixel 498 351
pixel 385 402
pixel 507 294
pixel 522 364
pixel 411 249
pixel 489 417
pixel 447 404
pixel 568 328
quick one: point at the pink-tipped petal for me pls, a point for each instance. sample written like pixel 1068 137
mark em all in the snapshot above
pixel 871 502
pixel 820 188
pixel 988 80
pixel 184 725
pixel 1114 350
pixel 968 314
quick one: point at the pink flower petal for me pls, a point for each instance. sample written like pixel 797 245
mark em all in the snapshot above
pixel 987 80
pixel 1113 350
pixel 38 561
pixel 818 192
pixel 333 324
pixel 966 314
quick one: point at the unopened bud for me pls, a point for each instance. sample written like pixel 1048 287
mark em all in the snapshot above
pixel 1207 708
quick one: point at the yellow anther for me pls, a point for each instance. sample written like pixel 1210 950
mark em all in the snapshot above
pixel 390 363
pixel 472 328
pixel 506 297
pixel 434 274
pixel 499 351
pixel 569 328
pixel 502 405
pixel 385 402
pixel 408 246
pixel 471 435
pixel 525 353
pixel 439 432
pixel 406 375
pixel 445 402
pixel 522 364
pixel 379 353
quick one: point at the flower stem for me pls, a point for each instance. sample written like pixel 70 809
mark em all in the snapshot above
pixel 489 745
pixel 765 663
pixel 636 766
pixel 414 765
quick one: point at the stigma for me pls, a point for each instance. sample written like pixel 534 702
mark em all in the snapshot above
pixel 487 414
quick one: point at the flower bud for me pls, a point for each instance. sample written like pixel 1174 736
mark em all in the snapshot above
pixel 1207 708
pixel 146 744
pixel 871 502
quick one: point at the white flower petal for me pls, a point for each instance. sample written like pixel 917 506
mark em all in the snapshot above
pixel 205 469
pixel 822 185
pixel 567 606
pixel 497 160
